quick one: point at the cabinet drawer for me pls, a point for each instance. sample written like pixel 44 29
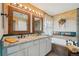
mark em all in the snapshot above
pixel 25 45
pixel 13 49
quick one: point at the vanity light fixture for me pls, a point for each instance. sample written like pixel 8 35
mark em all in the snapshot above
pixel 27 8
pixel 14 4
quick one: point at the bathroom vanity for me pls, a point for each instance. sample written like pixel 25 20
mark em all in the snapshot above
pixel 30 46
pixel 24 22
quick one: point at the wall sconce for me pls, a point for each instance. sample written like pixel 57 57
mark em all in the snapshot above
pixel 62 21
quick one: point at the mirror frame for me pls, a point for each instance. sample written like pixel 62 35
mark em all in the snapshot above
pixel 10 20
pixel 41 18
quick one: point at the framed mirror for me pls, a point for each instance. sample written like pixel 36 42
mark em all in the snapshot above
pixel 37 24
pixel 18 21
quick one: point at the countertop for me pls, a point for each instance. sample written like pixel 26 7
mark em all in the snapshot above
pixel 24 40
pixel 73 48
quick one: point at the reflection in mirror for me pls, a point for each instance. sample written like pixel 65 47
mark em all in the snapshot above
pixel 19 21
pixel 37 24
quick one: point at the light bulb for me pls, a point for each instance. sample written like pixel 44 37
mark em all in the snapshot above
pixel 25 7
pixel 39 13
pixel 30 9
pixel 36 12
pixel 33 10
pixel 20 5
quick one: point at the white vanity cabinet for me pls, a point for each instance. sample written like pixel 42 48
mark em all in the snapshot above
pixel 34 50
pixel 13 49
pixel 43 47
pixel 26 47
pixel 48 45
pixel 18 53
pixel 25 52
pixel 38 47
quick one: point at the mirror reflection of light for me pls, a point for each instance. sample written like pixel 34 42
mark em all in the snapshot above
pixel 30 9
pixel 20 5
pixel 25 7
pixel 33 10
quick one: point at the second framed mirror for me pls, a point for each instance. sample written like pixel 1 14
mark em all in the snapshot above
pixel 37 24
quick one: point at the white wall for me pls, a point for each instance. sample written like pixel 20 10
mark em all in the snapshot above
pixel 48 25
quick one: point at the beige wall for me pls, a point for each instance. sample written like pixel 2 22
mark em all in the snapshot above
pixel 70 25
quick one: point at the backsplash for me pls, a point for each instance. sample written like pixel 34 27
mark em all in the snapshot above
pixel 65 33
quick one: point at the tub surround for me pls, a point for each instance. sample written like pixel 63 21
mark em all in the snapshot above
pixel 65 37
pixel 63 40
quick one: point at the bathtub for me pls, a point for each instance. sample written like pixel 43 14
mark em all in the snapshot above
pixel 58 41
pixel 59 46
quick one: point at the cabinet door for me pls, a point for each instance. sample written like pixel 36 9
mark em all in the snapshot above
pixel 48 47
pixel 25 52
pixel 13 49
pixel 34 50
pixel 42 47
pixel 19 53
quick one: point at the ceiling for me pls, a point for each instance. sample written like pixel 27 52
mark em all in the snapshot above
pixel 56 8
